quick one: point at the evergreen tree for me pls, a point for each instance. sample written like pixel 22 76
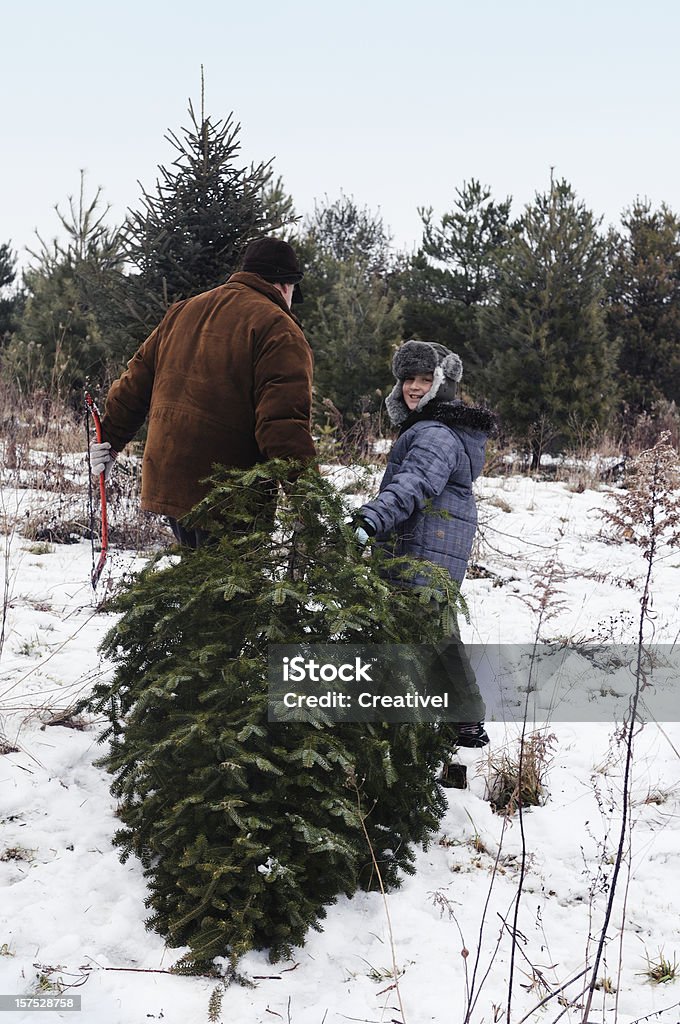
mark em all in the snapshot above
pixel 248 828
pixel 454 273
pixel 353 328
pixel 340 231
pixel 10 298
pixel 467 241
pixel 278 209
pixel 350 315
pixel 644 306
pixel 550 371
pixel 190 232
pixel 59 337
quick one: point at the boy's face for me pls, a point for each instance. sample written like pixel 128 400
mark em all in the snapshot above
pixel 414 388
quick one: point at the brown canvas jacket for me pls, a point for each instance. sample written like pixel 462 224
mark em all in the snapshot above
pixel 226 378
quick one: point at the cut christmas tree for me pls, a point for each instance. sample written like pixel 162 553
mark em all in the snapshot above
pixel 248 829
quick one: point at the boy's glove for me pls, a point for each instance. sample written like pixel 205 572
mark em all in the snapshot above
pixel 362 538
pixel 102 458
pixel 363 530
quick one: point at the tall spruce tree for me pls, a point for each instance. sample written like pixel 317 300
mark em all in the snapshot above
pixel 351 316
pixel 189 232
pixel 248 829
pixel 550 365
pixel 454 272
pixel 644 306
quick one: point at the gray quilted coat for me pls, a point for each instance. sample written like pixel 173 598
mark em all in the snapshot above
pixel 425 507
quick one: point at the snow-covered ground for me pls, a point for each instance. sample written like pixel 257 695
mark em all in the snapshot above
pixel 72 916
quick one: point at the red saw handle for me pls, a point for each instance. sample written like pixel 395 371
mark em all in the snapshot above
pixel 97 571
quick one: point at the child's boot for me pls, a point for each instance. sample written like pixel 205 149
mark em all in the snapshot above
pixel 471 734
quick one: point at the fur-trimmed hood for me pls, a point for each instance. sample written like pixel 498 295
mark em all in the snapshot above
pixel 455 415
pixel 471 424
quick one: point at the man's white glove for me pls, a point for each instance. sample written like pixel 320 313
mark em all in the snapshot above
pixel 101 459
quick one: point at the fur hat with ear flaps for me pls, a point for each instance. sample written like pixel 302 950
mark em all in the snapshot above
pixel 420 357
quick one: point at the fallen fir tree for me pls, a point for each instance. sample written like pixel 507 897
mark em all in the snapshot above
pixel 248 829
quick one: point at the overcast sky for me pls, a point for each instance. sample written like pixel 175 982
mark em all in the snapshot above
pixel 394 103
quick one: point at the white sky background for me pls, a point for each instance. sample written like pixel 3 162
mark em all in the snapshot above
pixel 394 103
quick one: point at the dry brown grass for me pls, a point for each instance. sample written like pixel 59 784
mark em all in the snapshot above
pixel 518 775
pixel 47 496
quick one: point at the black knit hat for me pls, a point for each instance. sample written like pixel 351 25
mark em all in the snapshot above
pixel 275 261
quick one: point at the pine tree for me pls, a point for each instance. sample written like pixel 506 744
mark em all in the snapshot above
pixel 350 315
pixel 59 337
pixel 247 828
pixel 454 273
pixel 189 233
pixel 644 306
pixel 341 231
pixel 467 240
pixel 550 367
pixel 353 329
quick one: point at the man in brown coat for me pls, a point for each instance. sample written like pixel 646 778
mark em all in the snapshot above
pixel 226 378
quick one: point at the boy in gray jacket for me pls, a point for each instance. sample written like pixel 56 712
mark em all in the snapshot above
pixel 425 507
